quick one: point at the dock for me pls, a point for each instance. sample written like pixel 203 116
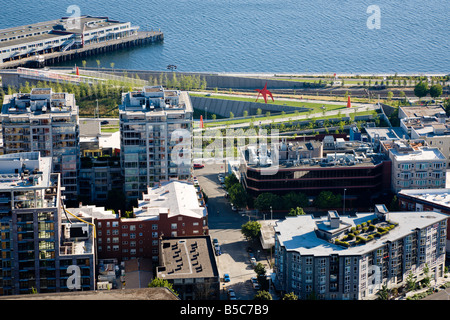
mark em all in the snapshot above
pixel 139 39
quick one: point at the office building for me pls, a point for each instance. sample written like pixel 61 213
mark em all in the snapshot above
pixel 41 245
pixel 314 166
pixel 156 138
pixel 327 259
pixel 47 122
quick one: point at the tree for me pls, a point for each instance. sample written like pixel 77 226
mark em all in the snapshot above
pixel 410 282
pixel 251 230
pixel 230 180
pixel 421 89
pixel 262 295
pixel 238 196
pixel 266 200
pixel 296 212
pixel 436 91
pixel 326 199
pixel 260 270
pixel 390 95
pixel 158 282
pixel 290 296
pixel 294 199
pixel 383 293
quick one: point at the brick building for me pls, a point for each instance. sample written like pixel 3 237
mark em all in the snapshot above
pixel 172 209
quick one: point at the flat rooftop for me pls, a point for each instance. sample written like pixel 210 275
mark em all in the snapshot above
pixel 122 295
pixel 421 154
pixel 436 196
pixel 52 29
pixel 39 171
pixel 386 133
pixel 421 111
pixel 40 102
pixel 298 233
pixel 171 197
pixel 190 257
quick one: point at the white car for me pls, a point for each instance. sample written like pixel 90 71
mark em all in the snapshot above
pixel 253 262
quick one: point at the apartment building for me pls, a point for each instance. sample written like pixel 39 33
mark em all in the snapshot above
pixel 415 165
pixel 434 130
pixel 59 35
pixel 323 256
pixel 156 138
pixel 47 122
pixel 41 248
pixel 172 209
pixel 426 200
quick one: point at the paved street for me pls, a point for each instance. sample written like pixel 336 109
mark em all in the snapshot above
pixel 225 225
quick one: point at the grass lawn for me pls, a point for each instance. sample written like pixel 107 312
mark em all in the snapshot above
pixel 256 120
pixel 315 106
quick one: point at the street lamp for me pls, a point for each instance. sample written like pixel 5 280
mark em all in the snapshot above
pixel 271 213
pixel 344 203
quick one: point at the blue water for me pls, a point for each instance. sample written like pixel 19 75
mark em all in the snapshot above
pixel 280 36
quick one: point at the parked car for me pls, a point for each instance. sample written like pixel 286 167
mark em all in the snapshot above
pixel 253 261
pixel 255 283
pixel 233 208
pixel 226 277
pixel 198 165
pixel 217 249
pixel 215 241
pixel 231 294
pixel 104 122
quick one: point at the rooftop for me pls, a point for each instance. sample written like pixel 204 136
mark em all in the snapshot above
pixel 40 102
pixel 299 233
pixel 190 257
pixel 171 197
pixel 436 196
pixel 53 28
pixel 156 100
pixel 386 133
pixel 24 170
pixel 160 293
pixel 419 153
pixel 420 111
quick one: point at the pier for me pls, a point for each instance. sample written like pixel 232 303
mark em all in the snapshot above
pixel 138 39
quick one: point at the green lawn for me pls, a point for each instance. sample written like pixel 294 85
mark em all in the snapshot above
pixel 316 107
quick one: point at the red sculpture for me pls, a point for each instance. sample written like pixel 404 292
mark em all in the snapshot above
pixel 264 92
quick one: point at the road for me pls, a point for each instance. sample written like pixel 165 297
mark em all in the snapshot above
pixel 225 225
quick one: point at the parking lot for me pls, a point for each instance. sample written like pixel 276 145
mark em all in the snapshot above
pixel 225 226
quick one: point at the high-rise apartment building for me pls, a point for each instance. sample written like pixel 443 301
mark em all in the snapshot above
pixel 41 248
pixel 47 122
pixel 156 138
